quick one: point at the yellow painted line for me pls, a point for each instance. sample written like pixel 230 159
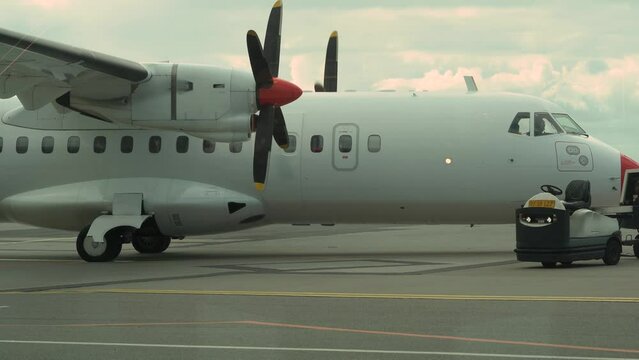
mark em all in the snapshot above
pixel 351 295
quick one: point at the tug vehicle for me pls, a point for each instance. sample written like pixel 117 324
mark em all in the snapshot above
pixel 551 231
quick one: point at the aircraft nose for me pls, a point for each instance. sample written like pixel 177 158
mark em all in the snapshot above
pixel 627 164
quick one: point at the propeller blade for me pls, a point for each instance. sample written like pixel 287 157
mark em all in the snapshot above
pixel 259 65
pixel 273 38
pixel 263 141
pixel 330 66
pixel 280 134
pixel 319 87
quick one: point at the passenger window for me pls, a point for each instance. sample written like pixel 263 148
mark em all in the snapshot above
pixel 292 144
pixel 22 144
pixel 73 144
pixel 545 124
pixel 99 144
pixel 235 147
pixel 520 124
pixel 155 144
pixel 126 144
pixel 317 143
pixel 182 144
pixel 345 143
pixel 208 146
pixel 47 145
pixel 374 143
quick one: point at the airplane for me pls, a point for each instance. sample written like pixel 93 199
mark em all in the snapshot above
pixel 124 152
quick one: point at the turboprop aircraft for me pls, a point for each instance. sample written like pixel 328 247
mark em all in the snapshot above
pixel 125 152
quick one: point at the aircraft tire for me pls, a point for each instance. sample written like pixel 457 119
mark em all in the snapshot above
pixel 613 252
pixel 151 244
pixel 91 251
pixel 548 264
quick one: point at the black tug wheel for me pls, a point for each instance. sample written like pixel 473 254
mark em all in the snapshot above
pixel 635 249
pixel 613 252
pixel 151 244
pixel 91 251
pixel 548 264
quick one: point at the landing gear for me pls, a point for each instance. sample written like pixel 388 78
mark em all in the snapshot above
pixel 613 252
pixel 145 238
pixel 151 244
pixel 107 250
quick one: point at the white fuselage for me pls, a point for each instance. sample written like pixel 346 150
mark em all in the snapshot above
pixel 491 171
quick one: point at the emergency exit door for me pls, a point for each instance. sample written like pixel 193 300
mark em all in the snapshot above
pixel 345 146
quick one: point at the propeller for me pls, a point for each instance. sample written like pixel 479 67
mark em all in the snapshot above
pixel 271 93
pixel 330 66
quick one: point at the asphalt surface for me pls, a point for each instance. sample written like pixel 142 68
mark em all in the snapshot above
pixel 311 292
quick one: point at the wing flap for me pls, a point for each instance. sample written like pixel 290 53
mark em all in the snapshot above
pixel 38 96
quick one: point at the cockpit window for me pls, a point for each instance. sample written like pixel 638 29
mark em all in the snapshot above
pixel 545 125
pixel 568 124
pixel 520 124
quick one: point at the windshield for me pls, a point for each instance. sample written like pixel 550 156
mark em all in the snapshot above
pixel 568 124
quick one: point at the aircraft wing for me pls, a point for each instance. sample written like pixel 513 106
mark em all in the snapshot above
pixel 39 71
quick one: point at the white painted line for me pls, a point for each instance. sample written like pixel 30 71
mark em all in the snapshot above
pixel 32 240
pixel 320 350
pixel 39 260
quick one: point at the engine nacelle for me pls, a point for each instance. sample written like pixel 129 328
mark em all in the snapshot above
pixel 205 101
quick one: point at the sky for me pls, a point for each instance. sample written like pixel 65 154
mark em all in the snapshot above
pixel 583 55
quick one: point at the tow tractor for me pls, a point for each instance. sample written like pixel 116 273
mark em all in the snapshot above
pixel 551 231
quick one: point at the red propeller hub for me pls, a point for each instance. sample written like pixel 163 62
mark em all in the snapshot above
pixel 627 164
pixel 280 93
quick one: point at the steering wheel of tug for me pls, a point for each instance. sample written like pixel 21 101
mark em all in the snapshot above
pixel 552 189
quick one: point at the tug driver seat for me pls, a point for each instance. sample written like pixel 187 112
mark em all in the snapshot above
pixel 577 195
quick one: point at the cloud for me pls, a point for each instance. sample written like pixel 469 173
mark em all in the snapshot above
pixel 606 86
pixel 235 61
pixel 433 80
pixel 301 69
pixel 48 4
pixel 455 13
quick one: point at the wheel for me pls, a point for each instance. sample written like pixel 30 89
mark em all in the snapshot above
pixel 613 252
pixel 548 264
pixel 91 251
pixel 635 249
pixel 566 263
pixel 151 244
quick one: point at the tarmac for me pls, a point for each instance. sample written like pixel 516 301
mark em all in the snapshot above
pixel 313 292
